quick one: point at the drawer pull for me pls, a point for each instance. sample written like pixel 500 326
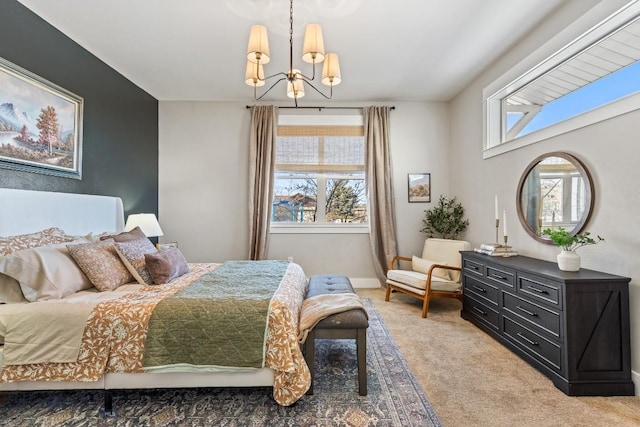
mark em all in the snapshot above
pixel 526 339
pixel 525 311
pixel 478 288
pixel 473 267
pixel 496 276
pixel 540 291
pixel 479 311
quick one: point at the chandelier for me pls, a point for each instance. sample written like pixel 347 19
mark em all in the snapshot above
pixel 312 52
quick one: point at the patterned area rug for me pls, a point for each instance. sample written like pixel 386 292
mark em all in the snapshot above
pixel 394 397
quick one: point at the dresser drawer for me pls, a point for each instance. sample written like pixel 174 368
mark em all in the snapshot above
pixel 542 349
pixel 482 312
pixel 540 289
pixel 481 290
pixel 502 276
pixel 534 314
pixel 473 267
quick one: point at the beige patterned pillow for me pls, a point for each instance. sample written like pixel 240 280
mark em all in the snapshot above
pixel 53 235
pixel 132 254
pixel 45 272
pixel 101 263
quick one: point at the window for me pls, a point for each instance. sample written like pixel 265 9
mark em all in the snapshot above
pixel 575 87
pixel 319 177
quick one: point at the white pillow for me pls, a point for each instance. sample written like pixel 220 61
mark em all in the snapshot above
pixel 422 265
pixel 10 290
pixel 45 272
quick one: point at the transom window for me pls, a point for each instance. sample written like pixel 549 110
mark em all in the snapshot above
pixel 592 72
pixel 319 176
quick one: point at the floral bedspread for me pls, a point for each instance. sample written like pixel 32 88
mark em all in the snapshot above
pixel 114 337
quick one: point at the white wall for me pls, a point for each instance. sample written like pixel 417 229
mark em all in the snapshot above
pixel 203 186
pixel 609 150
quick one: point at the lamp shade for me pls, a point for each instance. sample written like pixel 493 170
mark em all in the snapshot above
pixel 148 223
pixel 313 47
pixel 331 70
pixel 295 89
pixel 254 75
pixel 258 47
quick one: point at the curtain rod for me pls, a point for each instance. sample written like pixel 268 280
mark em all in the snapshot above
pixel 325 108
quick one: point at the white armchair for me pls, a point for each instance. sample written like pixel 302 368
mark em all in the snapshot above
pixel 435 274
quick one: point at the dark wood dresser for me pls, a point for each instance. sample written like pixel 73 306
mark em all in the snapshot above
pixel 571 326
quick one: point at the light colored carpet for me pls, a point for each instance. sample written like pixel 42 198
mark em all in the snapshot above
pixel 472 380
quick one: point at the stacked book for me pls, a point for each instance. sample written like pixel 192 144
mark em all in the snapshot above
pixel 494 249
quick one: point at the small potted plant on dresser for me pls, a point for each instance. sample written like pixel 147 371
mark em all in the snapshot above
pixel 568 259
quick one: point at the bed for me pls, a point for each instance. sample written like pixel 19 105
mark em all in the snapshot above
pixel 126 337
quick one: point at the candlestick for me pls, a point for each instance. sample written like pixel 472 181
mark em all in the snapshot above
pixel 507 252
pixel 497 242
pixel 504 222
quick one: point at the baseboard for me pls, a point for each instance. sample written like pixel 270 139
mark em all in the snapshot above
pixel 365 282
pixel 635 377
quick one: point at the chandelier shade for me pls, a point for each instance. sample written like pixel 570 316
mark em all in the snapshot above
pixel 331 70
pixel 254 74
pixel 313 52
pixel 313 47
pixel 258 48
pixel 295 88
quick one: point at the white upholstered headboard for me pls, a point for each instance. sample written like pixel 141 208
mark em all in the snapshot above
pixel 26 211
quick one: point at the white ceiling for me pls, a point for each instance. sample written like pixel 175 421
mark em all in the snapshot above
pixel 389 50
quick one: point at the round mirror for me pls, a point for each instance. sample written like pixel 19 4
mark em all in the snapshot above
pixel 555 190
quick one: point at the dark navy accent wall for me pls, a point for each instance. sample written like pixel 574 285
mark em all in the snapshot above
pixel 120 126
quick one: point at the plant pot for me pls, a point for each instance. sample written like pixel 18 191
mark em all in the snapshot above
pixel 568 261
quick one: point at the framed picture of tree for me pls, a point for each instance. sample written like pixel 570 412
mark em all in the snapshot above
pixel 419 187
pixel 40 124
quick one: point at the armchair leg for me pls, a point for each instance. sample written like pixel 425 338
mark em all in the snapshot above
pixel 388 293
pixel 425 305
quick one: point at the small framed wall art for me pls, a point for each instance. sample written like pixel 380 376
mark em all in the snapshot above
pixel 419 187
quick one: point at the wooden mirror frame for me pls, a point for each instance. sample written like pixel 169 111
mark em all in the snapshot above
pixel 589 189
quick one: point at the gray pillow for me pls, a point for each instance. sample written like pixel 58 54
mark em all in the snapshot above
pixel 166 265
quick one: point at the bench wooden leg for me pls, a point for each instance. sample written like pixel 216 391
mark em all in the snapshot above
pixel 361 348
pixel 310 356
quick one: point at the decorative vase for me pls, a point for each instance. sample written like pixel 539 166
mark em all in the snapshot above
pixel 568 261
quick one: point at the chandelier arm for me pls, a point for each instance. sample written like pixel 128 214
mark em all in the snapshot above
pixel 306 80
pixel 268 90
pixel 273 75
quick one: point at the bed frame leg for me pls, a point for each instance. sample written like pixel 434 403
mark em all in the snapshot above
pixel 108 405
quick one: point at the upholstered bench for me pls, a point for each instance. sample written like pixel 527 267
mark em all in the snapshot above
pixel 346 322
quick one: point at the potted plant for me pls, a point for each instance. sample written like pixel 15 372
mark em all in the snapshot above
pixel 445 220
pixel 568 259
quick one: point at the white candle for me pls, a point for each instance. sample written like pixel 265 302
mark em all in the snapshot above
pixel 497 217
pixel 504 222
